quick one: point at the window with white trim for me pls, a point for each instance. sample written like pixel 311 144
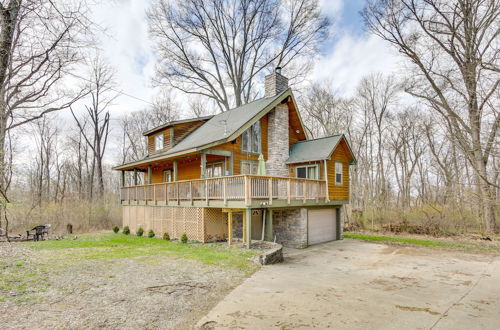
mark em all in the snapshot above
pixel 338 173
pixel 213 170
pixel 159 141
pixel 307 172
pixel 168 176
pixel 249 167
pixel 251 139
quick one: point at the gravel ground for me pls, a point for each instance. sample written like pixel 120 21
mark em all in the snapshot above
pixel 147 292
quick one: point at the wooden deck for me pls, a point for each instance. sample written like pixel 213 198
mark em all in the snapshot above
pixel 230 191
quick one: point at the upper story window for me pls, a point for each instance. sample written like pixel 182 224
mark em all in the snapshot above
pixel 308 172
pixel 338 173
pixel 158 141
pixel 251 140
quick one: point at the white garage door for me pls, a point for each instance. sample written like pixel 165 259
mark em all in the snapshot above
pixel 321 226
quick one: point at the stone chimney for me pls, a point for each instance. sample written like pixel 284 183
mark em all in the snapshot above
pixel 277 128
pixel 275 83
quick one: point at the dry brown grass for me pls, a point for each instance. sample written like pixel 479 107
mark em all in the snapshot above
pixel 82 215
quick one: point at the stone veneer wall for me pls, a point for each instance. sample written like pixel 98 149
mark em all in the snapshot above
pixel 238 225
pixel 278 139
pixel 290 227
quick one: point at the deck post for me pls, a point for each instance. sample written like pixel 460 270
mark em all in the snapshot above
pixel 269 226
pixel 248 191
pixel 224 187
pixel 135 177
pixel 123 179
pixel 244 229
pixel 166 193
pixel 288 191
pixel 177 193
pixel 191 191
pixel 270 190
pixel 150 174
pixel 230 227
pixel 304 190
pixel 248 216
pixel 206 191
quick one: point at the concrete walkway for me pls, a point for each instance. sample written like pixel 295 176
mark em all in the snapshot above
pixel 356 285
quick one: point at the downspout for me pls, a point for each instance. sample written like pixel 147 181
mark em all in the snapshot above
pixel 326 181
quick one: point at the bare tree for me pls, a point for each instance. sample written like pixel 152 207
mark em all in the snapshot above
pixel 134 146
pixel 102 95
pixel 217 48
pixel 326 112
pixel 453 50
pixel 39 42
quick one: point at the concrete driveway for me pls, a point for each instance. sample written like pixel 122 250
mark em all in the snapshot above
pixel 356 285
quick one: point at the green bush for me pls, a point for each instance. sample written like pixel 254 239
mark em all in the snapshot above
pixel 126 230
pixel 166 236
pixel 184 238
pixel 140 232
pixel 116 229
pixel 151 233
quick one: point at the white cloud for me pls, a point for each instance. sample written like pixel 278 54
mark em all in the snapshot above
pixel 353 57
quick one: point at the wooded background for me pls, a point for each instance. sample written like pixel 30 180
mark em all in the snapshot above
pixel 426 137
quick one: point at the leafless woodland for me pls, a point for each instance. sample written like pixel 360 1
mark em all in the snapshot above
pixel 425 138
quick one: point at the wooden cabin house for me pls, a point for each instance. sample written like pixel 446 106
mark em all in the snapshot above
pixel 249 173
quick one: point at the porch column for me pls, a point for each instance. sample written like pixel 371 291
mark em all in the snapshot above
pixel 248 217
pixel 230 227
pixel 123 179
pixel 269 226
pixel 135 177
pixel 203 164
pixel 150 174
pixel 175 170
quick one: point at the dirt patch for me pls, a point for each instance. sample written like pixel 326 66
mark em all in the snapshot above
pixel 129 293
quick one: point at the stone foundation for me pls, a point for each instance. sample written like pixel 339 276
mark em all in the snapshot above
pixel 290 227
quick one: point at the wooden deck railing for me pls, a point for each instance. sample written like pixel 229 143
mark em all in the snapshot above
pixel 246 188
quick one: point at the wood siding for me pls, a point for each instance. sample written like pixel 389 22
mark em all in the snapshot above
pixel 295 130
pixel 341 154
pixel 166 141
pixel 180 132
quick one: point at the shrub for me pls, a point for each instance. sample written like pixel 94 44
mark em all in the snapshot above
pixel 140 232
pixel 184 238
pixel 151 233
pixel 166 236
pixel 116 229
pixel 126 230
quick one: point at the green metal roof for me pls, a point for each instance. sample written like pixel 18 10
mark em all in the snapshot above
pixel 175 122
pixel 312 150
pixel 220 128
pixel 224 125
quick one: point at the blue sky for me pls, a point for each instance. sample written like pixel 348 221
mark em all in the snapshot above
pixel 350 54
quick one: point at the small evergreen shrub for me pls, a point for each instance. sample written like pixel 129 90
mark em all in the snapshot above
pixel 140 232
pixel 151 233
pixel 184 238
pixel 166 236
pixel 126 230
pixel 116 229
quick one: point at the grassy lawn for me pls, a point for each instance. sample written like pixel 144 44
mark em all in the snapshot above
pixel 464 246
pixel 29 272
